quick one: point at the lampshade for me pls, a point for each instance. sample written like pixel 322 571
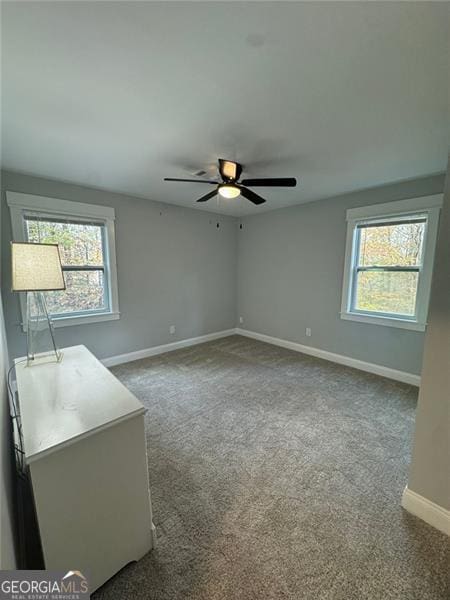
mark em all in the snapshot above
pixel 36 267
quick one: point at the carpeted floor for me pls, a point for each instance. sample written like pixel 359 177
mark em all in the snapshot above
pixel 275 475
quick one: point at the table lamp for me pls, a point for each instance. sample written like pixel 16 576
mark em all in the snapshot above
pixel 36 268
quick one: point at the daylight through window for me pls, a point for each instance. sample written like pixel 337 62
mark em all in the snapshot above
pixel 85 234
pixel 388 259
pixel 82 250
pixel 389 262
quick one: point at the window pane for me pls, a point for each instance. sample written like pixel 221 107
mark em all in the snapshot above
pixel 391 245
pixel 79 244
pixel 84 292
pixel 387 292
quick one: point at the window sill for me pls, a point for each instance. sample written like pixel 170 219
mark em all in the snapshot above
pixel 81 320
pixel 385 321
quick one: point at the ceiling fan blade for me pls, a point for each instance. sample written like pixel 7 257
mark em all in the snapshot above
pixel 251 196
pixel 271 182
pixel 207 196
pixel 191 180
pixel 229 169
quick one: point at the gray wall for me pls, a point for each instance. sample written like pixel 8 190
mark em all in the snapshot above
pixel 290 268
pixel 175 267
pixel 7 555
pixel 430 467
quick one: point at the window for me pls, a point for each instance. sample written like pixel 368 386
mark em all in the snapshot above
pixel 390 250
pixel 82 257
pixel 85 235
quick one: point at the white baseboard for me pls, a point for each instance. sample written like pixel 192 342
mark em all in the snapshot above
pixel 336 358
pixel 111 361
pixel 402 376
pixel 428 511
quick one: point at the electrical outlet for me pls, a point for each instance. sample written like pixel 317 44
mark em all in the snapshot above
pixel 241 320
pixel 308 331
pixel 172 329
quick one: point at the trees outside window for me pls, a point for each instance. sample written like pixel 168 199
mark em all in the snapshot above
pixel 389 258
pixel 389 262
pixel 85 234
pixel 82 256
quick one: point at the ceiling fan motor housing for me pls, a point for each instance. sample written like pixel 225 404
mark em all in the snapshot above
pixel 229 171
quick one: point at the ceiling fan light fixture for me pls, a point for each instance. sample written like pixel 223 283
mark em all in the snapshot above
pixel 229 191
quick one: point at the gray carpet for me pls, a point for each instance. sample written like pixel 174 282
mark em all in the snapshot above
pixel 276 475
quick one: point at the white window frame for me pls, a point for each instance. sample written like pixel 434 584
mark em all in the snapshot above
pixel 428 206
pixel 23 204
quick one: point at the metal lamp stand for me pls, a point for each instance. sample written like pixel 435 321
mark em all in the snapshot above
pixel 41 345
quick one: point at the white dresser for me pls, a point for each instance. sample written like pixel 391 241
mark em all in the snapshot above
pixel 84 443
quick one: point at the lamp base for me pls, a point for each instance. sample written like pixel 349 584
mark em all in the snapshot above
pixel 41 345
pixel 44 358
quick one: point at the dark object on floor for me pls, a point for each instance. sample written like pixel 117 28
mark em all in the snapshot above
pixel 30 550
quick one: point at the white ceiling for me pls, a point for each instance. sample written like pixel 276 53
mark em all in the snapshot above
pixel 118 95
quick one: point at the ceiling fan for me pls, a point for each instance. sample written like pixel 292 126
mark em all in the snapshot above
pixel 231 187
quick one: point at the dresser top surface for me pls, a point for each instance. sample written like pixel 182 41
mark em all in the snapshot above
pixel 61 403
